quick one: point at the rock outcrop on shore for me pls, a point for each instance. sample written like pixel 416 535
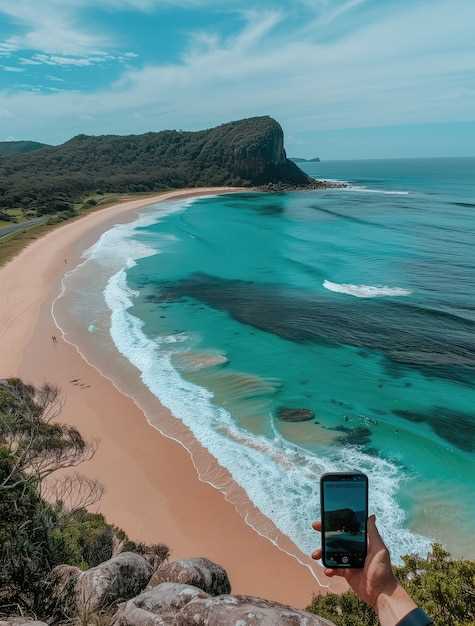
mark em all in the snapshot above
pixel 158 605
pixel 245 611
pixel 120 578
pixel 188 592
pixel 201 573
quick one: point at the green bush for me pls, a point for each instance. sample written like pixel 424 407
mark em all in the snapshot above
pixel 443 587
pixel 86 538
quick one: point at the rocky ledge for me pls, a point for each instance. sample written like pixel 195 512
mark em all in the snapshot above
pixel 311 185
pixel 125 591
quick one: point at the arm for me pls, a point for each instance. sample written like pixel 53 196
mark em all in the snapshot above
pixel 376 584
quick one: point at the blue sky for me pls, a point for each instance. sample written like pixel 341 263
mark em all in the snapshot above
pixel 346 78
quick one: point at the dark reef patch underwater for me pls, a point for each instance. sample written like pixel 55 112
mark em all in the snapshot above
pixel 376 324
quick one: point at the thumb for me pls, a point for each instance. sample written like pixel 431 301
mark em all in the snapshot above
pixel 375 540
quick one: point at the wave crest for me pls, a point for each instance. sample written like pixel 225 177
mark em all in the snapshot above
pixel 366 291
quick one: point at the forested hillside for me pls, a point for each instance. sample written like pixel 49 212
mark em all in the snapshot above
pixel 8 148
pixel 247 152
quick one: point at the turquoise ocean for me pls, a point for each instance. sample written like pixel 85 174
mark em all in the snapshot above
pixel 356 304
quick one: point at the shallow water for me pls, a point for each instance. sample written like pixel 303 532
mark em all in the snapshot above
pixel 357 305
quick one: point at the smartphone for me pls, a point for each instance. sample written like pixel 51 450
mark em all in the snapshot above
pixel 344 515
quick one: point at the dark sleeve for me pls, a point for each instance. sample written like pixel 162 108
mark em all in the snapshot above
pixel 417 617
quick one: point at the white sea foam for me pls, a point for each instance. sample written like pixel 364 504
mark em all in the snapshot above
pixel 386 192
pixel 366 291
pixel 279 477
pixel 117 247
pixel 361 188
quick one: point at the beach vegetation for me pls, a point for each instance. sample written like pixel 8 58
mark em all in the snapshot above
pixel 44 517
pixel 444 587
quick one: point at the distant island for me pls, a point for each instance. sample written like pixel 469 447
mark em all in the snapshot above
pixel 246 153
pixel 302 160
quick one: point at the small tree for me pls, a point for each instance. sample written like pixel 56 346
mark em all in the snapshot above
pixel 37 445
pixel 33 446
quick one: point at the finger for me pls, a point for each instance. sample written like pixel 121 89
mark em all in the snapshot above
pixel 331 572
pixel 317 525
pixel 374 538
pixel 342 573
pixel 317 554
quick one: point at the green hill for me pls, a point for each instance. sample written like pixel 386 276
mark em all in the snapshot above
pixel 248 152
pixel 8 148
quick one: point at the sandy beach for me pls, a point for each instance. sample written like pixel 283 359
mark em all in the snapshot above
pixel 151 486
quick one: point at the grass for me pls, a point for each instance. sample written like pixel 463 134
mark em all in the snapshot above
pixel 18 215
pixel 11 245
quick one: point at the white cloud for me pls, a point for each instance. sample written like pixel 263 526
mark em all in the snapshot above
pixel 340 10
pixel 398 69
pixel 51 26
pixel 6 49
pixel 55 59
pixel 25 61
pixel 56 26
pixel 78 61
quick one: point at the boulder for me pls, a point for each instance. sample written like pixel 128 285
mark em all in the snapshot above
pixel 157 606
pixel 288 414
pixel 122 577
pixel 245 611
pixel 199 572
pixel 61 584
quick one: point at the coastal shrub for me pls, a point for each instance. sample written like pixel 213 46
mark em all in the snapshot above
pixel 442 586
pixel 43 520
pixel 86 538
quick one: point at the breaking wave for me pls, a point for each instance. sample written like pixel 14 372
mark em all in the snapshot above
pixel 366 291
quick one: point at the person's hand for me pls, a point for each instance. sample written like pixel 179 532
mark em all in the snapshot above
pixel 376 575
pixel 375 583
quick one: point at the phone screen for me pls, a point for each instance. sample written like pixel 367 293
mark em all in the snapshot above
pixel 344 519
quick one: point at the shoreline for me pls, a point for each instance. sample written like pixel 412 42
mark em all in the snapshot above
pixel 152 489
